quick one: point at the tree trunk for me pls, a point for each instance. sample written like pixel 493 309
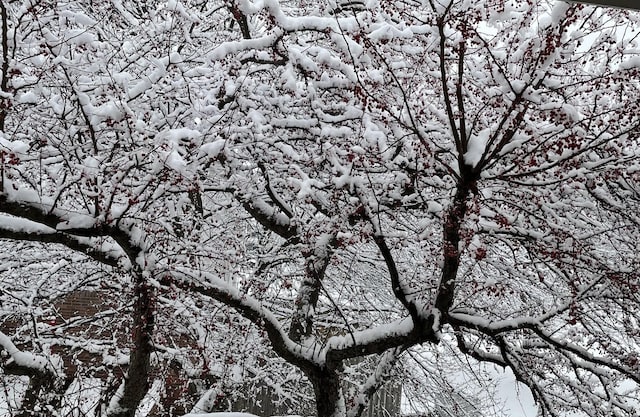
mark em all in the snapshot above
pixel 136 382
pixel 328 393
pixel 454 219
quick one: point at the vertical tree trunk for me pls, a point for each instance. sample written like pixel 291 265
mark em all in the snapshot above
pixel 328 393
pixel 451 243
pixel 136 382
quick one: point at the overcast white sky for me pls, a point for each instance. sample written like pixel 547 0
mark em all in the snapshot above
pixel 517 397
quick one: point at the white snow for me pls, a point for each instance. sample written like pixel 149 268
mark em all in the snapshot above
pixel 434 207
pixel 26 359
pixel 228 414
pixel 213 149
pixel 476 147
pixel 397 328
pixel 630 63
pixel 16 224
pixel 386 31
pixel 77 221
pixel 28 97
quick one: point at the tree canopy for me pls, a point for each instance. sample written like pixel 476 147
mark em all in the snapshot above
pixel 356 180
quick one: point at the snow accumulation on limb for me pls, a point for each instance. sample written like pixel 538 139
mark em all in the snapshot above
pixel 48 215
pixel 491 327
pixel 250 308
pixel 285 24
pixel 269 217
pixel 233 47
pixel 374 340
pixel 297 23
pixel 15 228
pixel 26 363
pixel 222 414
pixel 48 218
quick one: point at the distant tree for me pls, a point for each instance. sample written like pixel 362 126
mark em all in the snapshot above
pixel 355 181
